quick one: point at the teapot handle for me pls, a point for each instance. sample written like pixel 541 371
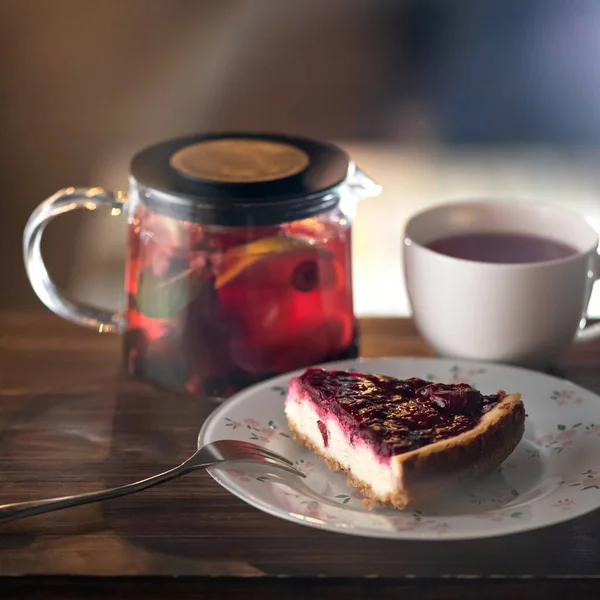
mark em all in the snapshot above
pixel 62 202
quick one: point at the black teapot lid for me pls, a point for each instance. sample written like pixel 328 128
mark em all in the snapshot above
pixel 240 179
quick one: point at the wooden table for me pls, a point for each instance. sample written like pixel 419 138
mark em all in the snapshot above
pixel 69 423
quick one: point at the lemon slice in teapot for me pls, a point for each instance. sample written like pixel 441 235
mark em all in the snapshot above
pixel 238 259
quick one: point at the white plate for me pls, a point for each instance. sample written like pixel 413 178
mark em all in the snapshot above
pixel 552 476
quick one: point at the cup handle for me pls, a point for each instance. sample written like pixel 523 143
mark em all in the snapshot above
pixel 62 202
pixel 592 332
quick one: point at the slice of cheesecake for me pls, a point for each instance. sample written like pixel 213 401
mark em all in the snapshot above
pixel 402 442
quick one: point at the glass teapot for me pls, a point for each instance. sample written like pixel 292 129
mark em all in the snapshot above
pixel 238 259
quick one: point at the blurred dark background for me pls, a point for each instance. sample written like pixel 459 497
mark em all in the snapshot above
pixel 85 83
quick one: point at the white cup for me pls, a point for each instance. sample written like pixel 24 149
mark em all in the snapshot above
pixel 525 313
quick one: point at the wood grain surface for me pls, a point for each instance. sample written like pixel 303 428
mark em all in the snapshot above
pixel 69 423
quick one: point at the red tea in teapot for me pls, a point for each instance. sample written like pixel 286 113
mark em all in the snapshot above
pixel 214 309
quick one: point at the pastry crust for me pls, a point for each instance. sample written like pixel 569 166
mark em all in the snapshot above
pixel 424 474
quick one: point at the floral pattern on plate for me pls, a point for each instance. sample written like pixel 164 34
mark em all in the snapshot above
pixel 553 475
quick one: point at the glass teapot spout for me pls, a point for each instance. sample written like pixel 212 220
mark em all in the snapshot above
pixel 361 184
pixel 357 186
